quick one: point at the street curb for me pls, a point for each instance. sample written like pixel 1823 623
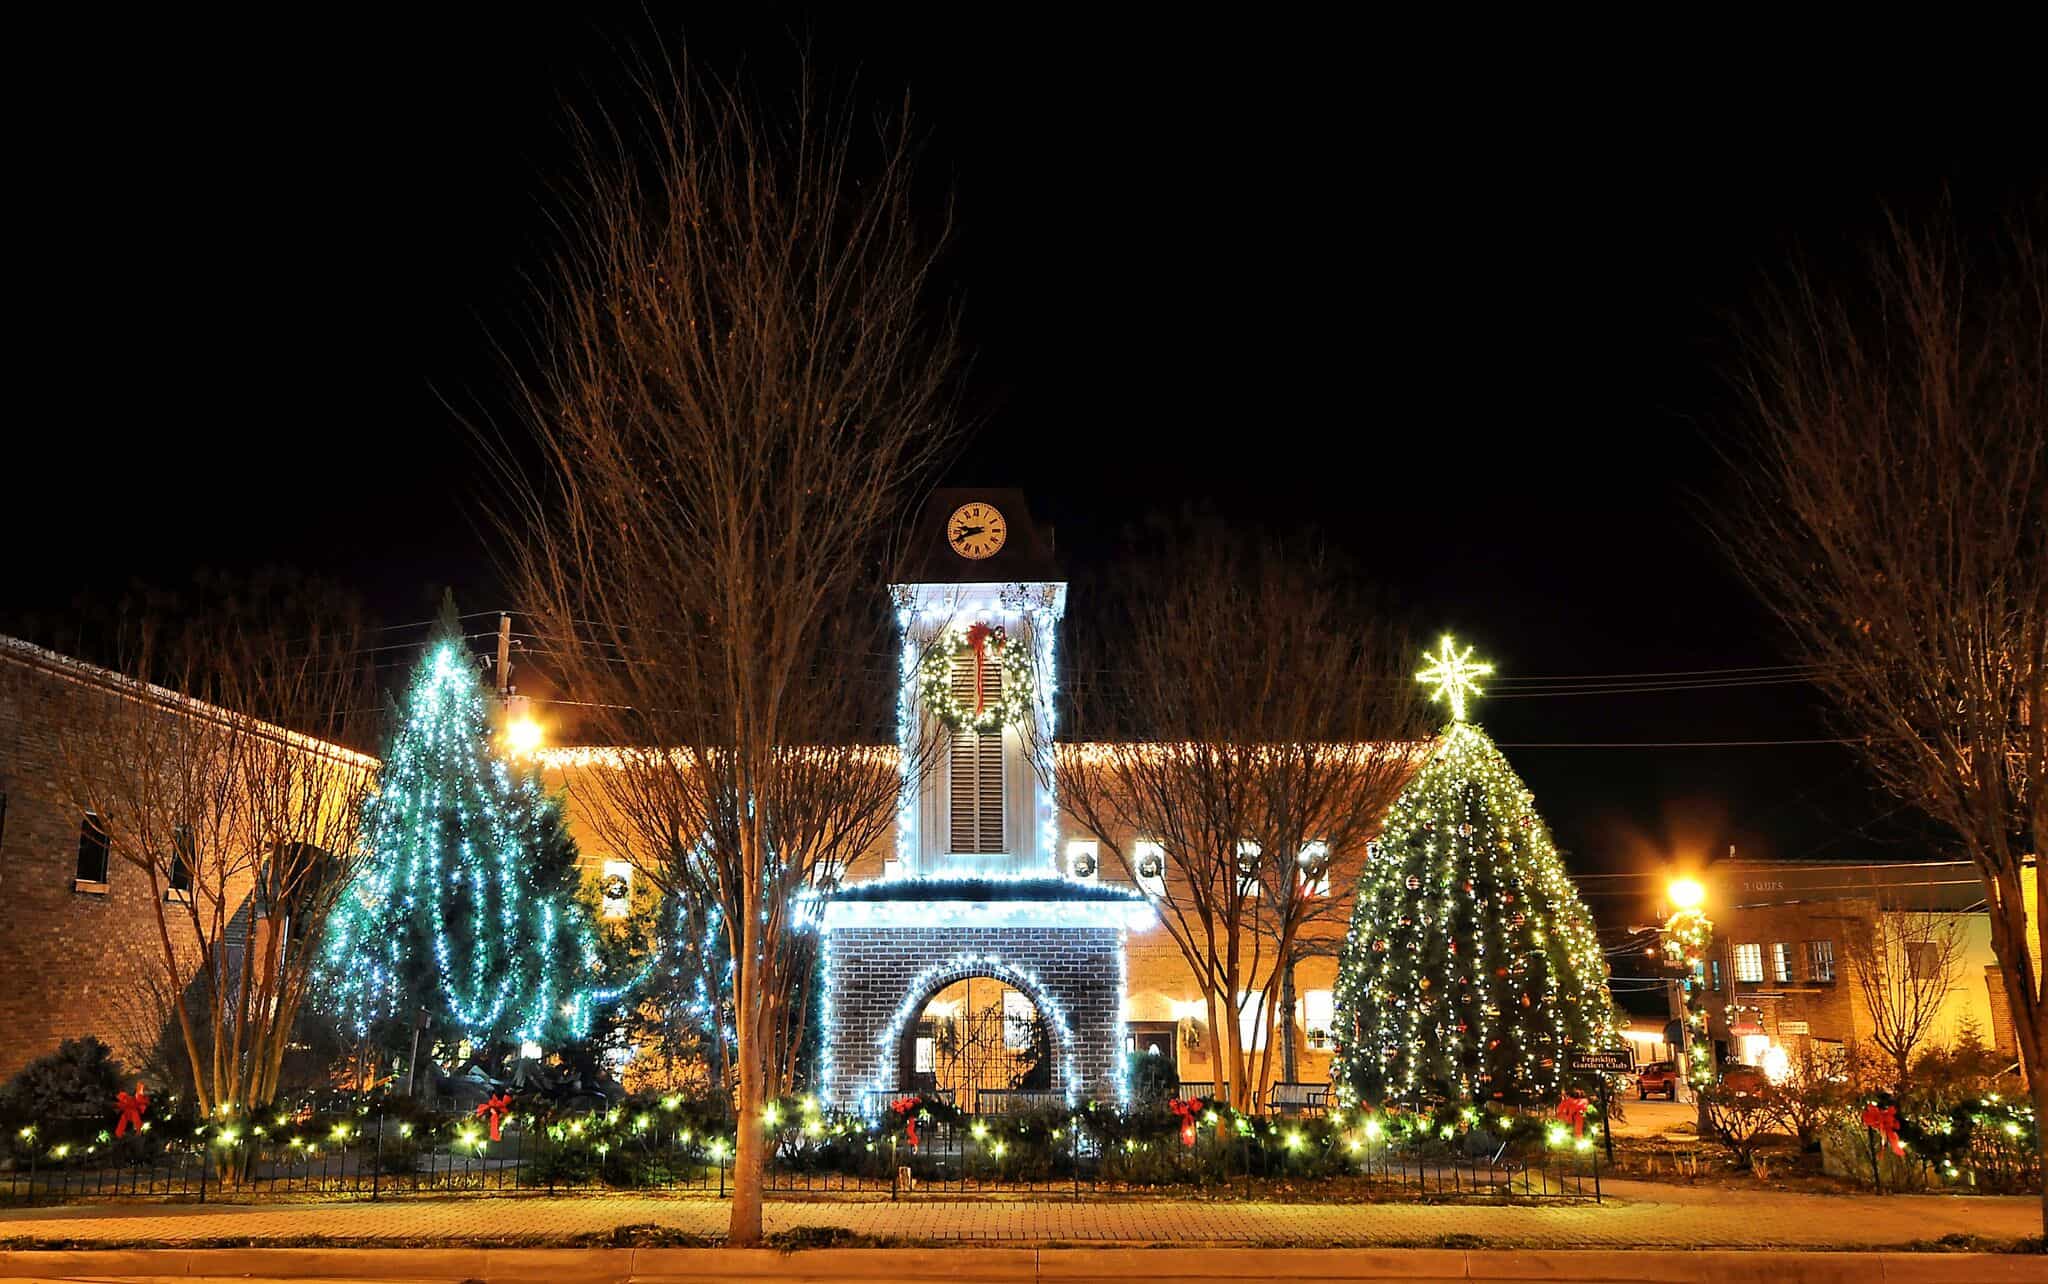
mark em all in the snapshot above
pixel 1026 1265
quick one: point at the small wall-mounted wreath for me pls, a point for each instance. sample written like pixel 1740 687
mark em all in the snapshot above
pixel 1002 679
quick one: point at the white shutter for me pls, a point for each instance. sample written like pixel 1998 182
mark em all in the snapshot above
pixel 976 767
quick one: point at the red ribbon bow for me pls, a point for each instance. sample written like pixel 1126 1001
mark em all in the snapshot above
pixel 1186 1110
pixel 131 1105
pixel 1885 1120
pixel 495 1108
pixel 906 1107
pixel 1572 1110
pixel 978 635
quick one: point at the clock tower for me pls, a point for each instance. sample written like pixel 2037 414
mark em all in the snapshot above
pixel 976 889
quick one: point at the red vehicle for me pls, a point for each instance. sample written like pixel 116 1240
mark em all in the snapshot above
pixel 1660 1077
pixel 1742 1080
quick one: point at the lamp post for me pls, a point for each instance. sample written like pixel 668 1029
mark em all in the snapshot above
pixel 1687 934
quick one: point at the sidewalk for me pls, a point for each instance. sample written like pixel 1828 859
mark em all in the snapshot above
pixel 1636 1215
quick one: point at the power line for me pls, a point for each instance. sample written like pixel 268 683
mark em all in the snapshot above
pixel 1670 744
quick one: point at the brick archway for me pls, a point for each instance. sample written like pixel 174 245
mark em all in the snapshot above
pixel 1063 1069
pixel 879 978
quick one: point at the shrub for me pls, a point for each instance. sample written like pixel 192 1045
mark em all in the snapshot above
pixel 78 1081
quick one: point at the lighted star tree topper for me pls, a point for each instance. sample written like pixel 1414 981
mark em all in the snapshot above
pixel 1454 675
pixel 1471 967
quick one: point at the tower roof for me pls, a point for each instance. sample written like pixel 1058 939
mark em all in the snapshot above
pixel 1024 558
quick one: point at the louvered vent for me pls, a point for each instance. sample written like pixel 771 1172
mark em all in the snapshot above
pixel 977 767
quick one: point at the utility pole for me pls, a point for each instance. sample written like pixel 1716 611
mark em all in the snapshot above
pixel 504 655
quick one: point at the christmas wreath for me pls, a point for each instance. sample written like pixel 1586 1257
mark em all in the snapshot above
pixel 1002 679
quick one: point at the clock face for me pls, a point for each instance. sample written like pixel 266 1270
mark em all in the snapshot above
pixel 976 531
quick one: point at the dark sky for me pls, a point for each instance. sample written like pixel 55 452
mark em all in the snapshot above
pixel 1462 310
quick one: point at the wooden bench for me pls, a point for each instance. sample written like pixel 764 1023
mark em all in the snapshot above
pixel 1299 1098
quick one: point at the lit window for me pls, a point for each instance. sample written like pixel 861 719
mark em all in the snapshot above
pixel 1251 1008
pixel 1315 868
pixel 616 888
pixel 1083 863
pixel 1820 960
pixel 1749 962
pixel 1148 862
pixel 925 1060
pixel 1247 869
pixel 1781 961
pixel 1019 1018
pixel 1318 1014
pixel 92 851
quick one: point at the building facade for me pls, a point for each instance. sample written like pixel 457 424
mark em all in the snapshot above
pixel 1802 952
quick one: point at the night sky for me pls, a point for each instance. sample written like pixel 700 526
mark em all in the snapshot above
pixel 1466 312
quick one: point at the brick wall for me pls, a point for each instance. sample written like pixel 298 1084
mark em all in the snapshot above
pixel 70 960
pixel 873 972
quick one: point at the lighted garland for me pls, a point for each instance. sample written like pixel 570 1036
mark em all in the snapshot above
pixel 1003 679
pixel 1686 938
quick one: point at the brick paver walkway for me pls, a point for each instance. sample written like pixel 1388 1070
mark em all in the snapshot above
pixel 1636 1215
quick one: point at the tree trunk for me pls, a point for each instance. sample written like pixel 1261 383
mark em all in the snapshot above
pixel 749 1164
pixel 1283 1023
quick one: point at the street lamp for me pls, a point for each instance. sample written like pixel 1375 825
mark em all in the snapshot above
pixel 1687 934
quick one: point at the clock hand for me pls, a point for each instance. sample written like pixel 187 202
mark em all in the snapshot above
pixel 963 532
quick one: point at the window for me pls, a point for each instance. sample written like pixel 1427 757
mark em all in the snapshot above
pixel 1781 961
pixel 1318 1015
pixel 976 767
pixel 1020 1021
pixel 1820 960
pixel 1251 1007
pixel 1247 869
pixel 615 889
pixel 1315 868
pixel 1923 960
pixel 1083 861
pixel 1714 972
pixel 92 852
pixel 1148 861
pixel 184 860
pixel 1749 963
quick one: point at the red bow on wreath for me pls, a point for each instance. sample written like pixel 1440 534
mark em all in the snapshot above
pixel 495 1108
pixel 1186 1111
pixel 907 1107
pixel 1884 1120
pixel 1572 1110
pixel 978 635
pixel 131 1105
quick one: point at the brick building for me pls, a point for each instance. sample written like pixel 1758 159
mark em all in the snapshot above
pixel 986 878
pixel 1782 971
pixel 82 950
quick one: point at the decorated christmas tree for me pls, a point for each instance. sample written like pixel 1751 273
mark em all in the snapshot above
pixel 1471 968
pixel 468 906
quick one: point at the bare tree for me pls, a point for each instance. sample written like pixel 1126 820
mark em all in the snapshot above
pixel 1243 741
pixel 742 390
pixel 1905 961
pixel 1899 527
pixel 227 782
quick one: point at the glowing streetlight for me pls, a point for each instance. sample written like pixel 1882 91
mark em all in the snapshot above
pixel 1686 893
pixel 523 737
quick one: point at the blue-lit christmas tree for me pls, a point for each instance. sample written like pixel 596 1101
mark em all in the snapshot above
pixel 468 906
pixel 1471 968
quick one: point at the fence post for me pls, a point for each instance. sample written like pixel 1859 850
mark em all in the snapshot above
pixel 377 1161
pixel 895 1172
pixel 1596 1177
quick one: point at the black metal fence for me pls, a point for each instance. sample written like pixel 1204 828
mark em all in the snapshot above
pixel 383 1158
